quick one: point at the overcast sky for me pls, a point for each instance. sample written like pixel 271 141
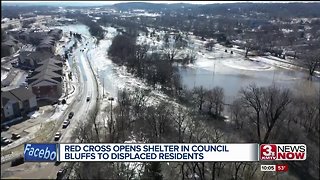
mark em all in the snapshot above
pixel 113 2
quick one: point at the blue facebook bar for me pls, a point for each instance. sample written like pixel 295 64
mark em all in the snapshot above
pixel 40 152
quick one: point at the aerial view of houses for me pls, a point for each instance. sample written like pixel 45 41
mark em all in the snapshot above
pixel 29 75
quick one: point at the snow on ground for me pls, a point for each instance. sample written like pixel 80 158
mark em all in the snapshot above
pixel 247 65
pixel 116 77
pixel 33 129
pixel 219 61
pixel 270 60
pixel 59 109
pixel 111 32
pixel 4 74
pixel 33 114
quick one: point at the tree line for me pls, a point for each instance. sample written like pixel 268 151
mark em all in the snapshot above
pixel 259 114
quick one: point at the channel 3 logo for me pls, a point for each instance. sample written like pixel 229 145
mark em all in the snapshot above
pixel 268 152
pixel 289 152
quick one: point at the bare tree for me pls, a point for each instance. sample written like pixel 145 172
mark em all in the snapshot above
pixel 237 114
pixel 199 93
pixel 251 99
pixel 181 121
pixel 209 96
pixel 265 104
pixel 218 98
pixel 139 99
pixel 152 171
pixel 237 166
pixel 140 56
pixel 275 102
pixel 190 57
pixel 209 45
pixel 248 47
pixel 307 111
pixel 214 99
pixel 312 62
pixel 171 52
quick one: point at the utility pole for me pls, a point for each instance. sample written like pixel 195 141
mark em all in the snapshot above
pixel 111 120
pixel 214 69
pixel 103 87
pixel 273 76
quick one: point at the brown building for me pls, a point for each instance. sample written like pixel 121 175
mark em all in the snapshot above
pixel 46 80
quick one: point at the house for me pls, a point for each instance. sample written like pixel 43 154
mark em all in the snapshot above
pixel 48 86
pixel 56 33
pixel 46 80
pixel 9 47
pixel 17 102
pixel 47 44
pixel 30 59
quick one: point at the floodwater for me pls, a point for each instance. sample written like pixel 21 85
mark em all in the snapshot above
pixel 231 72
pixel 211 73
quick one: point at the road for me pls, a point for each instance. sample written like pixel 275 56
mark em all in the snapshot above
pixel 81 108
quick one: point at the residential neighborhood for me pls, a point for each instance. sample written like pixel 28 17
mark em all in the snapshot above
pixel 34 75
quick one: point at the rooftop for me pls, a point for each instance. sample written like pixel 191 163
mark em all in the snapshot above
pixel 17 94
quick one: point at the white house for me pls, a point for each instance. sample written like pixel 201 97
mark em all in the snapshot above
pixel 17 102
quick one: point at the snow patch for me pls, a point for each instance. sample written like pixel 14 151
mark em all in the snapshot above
pixel 33 114
pixel 247 65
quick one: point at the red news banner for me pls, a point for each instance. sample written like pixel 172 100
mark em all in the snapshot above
pixel 282 167
pixel 283 152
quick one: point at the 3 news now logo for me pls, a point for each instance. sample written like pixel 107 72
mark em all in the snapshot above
pixel 40 152
pixel 288 152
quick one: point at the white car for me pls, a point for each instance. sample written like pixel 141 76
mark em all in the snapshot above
pixel 57 136
pixel 65 124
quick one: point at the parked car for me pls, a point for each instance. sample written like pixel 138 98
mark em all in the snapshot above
pixel 57 163
pixel 5 128
pixel 61 173
pixel 71 115
pixel 5 141
pixel 88 99
pixel 15 136
pixel 17 161
pixel 65 123
pixel 57 136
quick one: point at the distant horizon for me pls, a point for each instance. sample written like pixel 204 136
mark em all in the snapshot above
pixel 94 3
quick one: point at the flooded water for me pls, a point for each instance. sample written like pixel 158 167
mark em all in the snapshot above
pixel 211 73
pixel 230 72
pixel 77 28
